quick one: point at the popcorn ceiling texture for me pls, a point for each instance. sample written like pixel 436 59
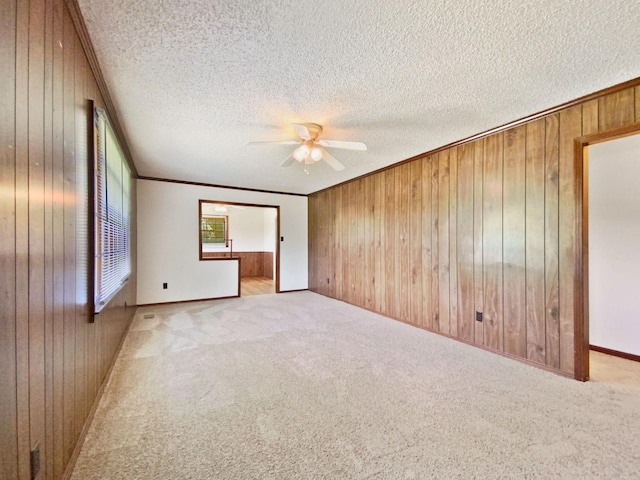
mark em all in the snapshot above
pixel 194 81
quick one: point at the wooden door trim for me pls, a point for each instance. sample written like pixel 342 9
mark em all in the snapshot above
pixel 581 273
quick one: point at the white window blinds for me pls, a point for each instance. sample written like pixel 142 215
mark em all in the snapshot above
pixel 112 210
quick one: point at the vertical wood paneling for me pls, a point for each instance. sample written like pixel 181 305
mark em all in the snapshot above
pixel 403 272
pixel 535 182
pixel 354 248
pixel 58 241
pixel 415 242
pixel 22 234
pixel 492 242
pixel 380 243
pixel 71 430
pixel 360 279
pixel 391 235
pixel 453 238
pixel 513 241
pixel 8 338
pixel 552 299
pixel 464 245
pixel 338 247
pixel 426 241
pixel 37 234
pixel 478 235
pixel 81 211
pixel 369 242
pixel 616 110
pixel 48 349
pixel 570 128
pixel 487 226
pixel 434 160
pixel 590 117
pixel 443 242
pixel 48 247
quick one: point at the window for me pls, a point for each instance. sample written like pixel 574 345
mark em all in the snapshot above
pixel 112 213
pixel 213 229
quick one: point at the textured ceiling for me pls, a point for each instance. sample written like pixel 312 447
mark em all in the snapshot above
pixel 194 81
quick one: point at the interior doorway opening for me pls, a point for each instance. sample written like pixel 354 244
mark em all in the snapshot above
pixel 607 306
pixel 248 233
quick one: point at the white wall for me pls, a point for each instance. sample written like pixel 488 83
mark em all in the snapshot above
pixel 614 245
pixel 168 240
pixel 246 229
pixel 270 234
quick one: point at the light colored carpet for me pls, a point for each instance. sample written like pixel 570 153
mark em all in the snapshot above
pixel 297 385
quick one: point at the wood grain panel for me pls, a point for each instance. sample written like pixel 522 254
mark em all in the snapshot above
pixel 22 235
pixel 71 430
pixel 590 117
pixel 535 182
pixel 415 242
pixel 464 244
pixel 492 242
pixel 435 243
pixel 478 236
pixel 360 282
pixel 50 373
pixel 495 232
pixel 8 338
pixel 353 209
pixel 390 244
pixel 551 245
pixel 616 110
pixel 513 241
pixel 253 264
pixel 58 241
pixel 426 240
pixel 570 128
pixel 380 243
pixel 37 234
pixel 443 243
pixel 453 238
pixel 49 281
pixel 403 272
pixel 338 245
pixel 369 242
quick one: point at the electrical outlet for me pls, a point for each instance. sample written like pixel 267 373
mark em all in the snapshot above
pixel 164 286
pixel 478 316
pixel 35 461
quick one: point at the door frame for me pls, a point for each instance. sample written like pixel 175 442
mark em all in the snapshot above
pixel 581 273
pixel 256 205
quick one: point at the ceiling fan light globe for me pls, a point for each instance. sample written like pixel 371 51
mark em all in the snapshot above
pixel 301 153
pixel 316 154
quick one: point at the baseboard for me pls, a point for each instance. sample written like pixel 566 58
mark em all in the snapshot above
pixel 290 291
pixel 615 353
pixel 68 471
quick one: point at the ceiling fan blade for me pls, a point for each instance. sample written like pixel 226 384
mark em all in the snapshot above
pixel 284 142
pixel 343 144
pixel 331 160
pixel 288 161
pixel 302 131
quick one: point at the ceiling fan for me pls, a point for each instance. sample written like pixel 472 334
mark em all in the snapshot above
pixel 312 148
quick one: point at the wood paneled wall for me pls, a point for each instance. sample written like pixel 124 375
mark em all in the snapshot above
pixel 252 264
pixel 52 359
pixel 486 226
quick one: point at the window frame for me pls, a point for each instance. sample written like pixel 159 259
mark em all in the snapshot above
pixel 112 186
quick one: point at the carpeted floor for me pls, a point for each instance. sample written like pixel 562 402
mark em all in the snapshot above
pixel 299 386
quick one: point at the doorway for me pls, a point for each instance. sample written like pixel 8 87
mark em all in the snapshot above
pixel 606 304
pixel 248 233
